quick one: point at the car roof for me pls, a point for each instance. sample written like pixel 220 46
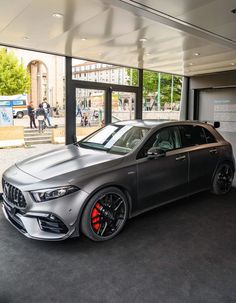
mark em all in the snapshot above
pixel 155 123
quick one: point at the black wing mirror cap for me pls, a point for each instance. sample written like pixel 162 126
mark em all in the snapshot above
pixel 155 153
pixel 217 124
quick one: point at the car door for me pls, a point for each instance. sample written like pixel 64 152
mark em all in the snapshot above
pixel 203 155
pixel 163 179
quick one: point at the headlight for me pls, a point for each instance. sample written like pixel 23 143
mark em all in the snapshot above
pixel 52 193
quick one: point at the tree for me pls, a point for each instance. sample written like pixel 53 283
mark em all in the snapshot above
pixel 150 85
pixel 14 78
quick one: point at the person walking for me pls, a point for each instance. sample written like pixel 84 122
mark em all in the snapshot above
pixel 46 108
pixel 79 112
pixel 41 116
pixel 31 115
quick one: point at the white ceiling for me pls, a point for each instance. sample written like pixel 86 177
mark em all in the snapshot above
pixel 175 30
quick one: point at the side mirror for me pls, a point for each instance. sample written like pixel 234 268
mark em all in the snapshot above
pixel 216 124
pixel 155 153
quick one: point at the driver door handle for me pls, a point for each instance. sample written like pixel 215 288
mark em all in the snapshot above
pixel 180 158
pixel 213 151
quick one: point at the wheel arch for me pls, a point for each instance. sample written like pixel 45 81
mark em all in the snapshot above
pixel 120 187
pixel 223 161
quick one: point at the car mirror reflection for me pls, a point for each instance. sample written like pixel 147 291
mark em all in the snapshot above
pixel 155 153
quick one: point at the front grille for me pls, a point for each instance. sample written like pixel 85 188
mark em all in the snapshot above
pixel 13 194
pixel 52 224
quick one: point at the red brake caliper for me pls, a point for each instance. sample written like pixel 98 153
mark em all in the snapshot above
pixel 95 216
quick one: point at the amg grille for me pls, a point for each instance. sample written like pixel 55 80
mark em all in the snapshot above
pixel 13 194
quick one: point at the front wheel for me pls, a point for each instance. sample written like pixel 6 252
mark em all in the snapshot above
pixel 105 214
pixel 223 179
pixel 20 115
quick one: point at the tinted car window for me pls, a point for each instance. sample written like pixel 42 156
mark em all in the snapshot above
pixel 166 139
pixel 209 137
pixel 193 135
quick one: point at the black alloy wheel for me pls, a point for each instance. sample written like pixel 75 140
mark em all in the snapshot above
pixel 105 214
pixel 223 179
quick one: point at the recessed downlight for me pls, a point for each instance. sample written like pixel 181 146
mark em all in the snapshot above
pixel 83 39
pixel 190 63
pixel 196 54
pixel 57 15
pixel 25 38
pixel 142 39
pixel 232 63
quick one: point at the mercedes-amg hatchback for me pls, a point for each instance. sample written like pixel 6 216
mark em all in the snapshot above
pixel 95 185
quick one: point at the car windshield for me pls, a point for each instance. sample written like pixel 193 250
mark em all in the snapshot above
pixel 117 139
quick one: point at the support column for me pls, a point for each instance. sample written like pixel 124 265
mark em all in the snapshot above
pixel 184 104
pixel 70 115
pixel 139 97
pixel 108 106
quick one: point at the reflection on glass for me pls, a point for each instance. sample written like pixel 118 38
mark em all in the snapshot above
pixel 123 105
pixel 117 139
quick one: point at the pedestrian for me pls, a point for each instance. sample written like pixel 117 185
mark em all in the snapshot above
pixel 41 116
pixel 46 108
pixel 79 112
pixel 84 119
pixel 57 109
pixel 31 114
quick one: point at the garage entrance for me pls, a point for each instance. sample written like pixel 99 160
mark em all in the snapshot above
pixel 220 105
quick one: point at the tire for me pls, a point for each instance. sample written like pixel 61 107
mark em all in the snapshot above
pixel 105 214
pixel 223 179
pixel 20 115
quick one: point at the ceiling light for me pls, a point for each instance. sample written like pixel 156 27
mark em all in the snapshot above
pixel 83 39
pixel 148 54
pixel 196 54
pixel 25 38
pixel 57 15
pixel 191 63
pixel 232 63
pixel 142 39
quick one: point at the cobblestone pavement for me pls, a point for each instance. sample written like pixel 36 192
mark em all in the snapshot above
pixel 9 156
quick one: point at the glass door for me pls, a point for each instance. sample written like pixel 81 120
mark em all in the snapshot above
pixel 90 108
pixel 123 105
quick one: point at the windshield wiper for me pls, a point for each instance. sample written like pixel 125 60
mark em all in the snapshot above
pixel 91 145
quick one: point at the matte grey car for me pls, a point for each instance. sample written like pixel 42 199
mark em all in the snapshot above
pixel 120 171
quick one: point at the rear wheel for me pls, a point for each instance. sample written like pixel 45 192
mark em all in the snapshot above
pixel 223 179
pixel 105 214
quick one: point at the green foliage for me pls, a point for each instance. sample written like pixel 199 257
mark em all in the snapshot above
pixel 14 78
pixel 150 86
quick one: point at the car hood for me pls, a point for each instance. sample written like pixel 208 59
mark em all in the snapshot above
pixel 64 160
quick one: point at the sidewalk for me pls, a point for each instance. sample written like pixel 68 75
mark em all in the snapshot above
pixel 9 156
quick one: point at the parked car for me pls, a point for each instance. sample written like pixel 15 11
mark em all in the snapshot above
pixel 124 169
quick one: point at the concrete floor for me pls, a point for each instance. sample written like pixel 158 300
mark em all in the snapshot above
pixel 9 156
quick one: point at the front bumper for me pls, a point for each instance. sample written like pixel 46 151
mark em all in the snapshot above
pixel 52 220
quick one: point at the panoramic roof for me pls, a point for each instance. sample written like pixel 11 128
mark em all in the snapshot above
pixel 181 37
